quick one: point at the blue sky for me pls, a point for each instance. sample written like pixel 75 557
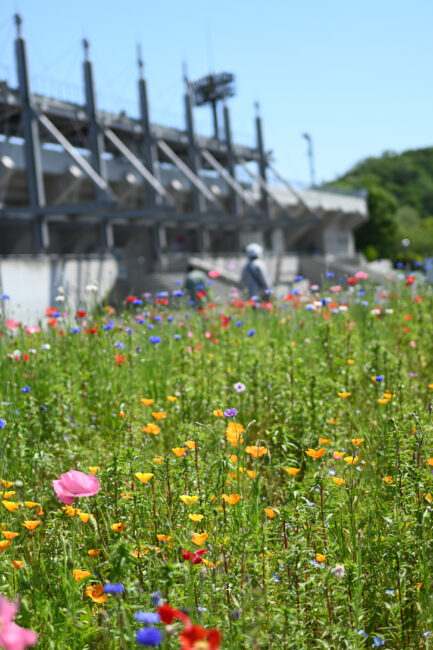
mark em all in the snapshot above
pixel 356 74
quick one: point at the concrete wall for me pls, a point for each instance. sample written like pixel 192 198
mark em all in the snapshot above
pixel 33 283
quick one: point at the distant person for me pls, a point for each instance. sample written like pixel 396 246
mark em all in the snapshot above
pixel 254 276
pixel 195 283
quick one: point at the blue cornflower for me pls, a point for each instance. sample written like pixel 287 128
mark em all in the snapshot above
pixel 140 320
pixel 251 332
pixel 149 636
pixel 176 336
pixel 162 294
pixel 169 319
pixel 74 330
pixel 390 592
pixel 128 330
pixel 119 345
pixel 115 588
pixel 379 378
pixel 361 292
pixel 209 283
pixel 5 296
pixel 329 274
pixel 157 598
pixel 276 577
pixel 362 633
pixel 309 307
pixel 42 408
pixel 150 326
pixel 155 339
pixel 56 314
pixel 364 303
pixel 25 389
pixel 201 609
pixel 298 278
pixel 178 293
pixel 137 302
pixel 109 325
pixel 147 617
pixel 399 265
pixel 230 413
pixel 378 641
pixel 157 319
pixel 178 282
pixel 3 423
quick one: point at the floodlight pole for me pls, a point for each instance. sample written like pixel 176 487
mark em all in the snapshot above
pixel 31 138
pixel 310 154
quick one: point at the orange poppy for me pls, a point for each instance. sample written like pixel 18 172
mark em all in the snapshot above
pixel 151 428
pixel 315 453
pixel 146 402
pixel 159 415
pixel 31 525
pixel 80 575
pixel 232 499
pixel 179 451
pixel 96 593
pixel 256 451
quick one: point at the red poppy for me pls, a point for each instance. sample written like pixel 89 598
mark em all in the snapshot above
pixel 224 321
pixel 352 281
pixel 26 357
pixel 410 280
pixel 288 296
pixel 168 614
pixel 92 330
pixel 194 558
pixel 52 322
pixel 196 636
pixel 200 294
pixel 120 358
pixel 161 301
pixel 50 311
pixel 131 298
pixel 81 314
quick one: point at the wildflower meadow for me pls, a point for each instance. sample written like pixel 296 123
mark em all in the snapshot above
pixel 237 474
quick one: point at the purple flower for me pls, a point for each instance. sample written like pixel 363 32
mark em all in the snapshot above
pixel 149 636
pixel 116 588
pixel 147 617
pixel 230 413
pixel 239 387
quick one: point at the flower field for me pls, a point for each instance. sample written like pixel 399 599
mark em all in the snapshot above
pixel 237 475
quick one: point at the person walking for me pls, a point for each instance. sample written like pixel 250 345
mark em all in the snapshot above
pixel 254 277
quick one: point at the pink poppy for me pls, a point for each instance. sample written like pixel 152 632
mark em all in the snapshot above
pixel 32 329
pixel 11 324
pixel 361 275
pixel 12 636
pixel 214 274
pixel 75 484
pixel 336 288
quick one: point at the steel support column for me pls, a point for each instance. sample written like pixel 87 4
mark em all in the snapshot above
pixel 96 141
pixel 199 203
pixel 32 143
pixel 234 197
pixel 262 172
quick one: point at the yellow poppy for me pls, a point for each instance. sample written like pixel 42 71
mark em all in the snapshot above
pixel 357 441
pixel 118 528
pixel 144 478
pixel 252 474
pixel 338 481
pixel 232 499
pixel 7 484
pixel 196 517
pixel 96 593
pixel 292 470
pixel 151 428
pixel 94 468
pixel 199 538
pixel 256 451
pixel 146 402
pixel 350 362
pixel 10 505
pixel 320 557
pixel 8 495
pixel 332 420
pixel 31 525
pixel 18 564
pixel 164 538
pixel 80 575
pixel 315 453
pixel 158 460
pixel 190 444
pixel 187 500
pixel 234 459
pixel 171 398
pixel 30 504
pixel 344 395
pixel 218 413
pixel 8 534
pixel 179 451
pixel 84 516
pixel 4 545
pixel 324 441
pixel 159 415
pixel 388 480
pixel 350 460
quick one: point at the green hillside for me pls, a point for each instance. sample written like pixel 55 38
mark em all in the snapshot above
pixel 400 202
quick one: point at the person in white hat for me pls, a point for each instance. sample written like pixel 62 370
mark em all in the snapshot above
pixel 254 276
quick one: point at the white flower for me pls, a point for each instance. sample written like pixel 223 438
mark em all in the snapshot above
pixel 338 571
pixel 59 298
pixel 32 351
pixel 46 346
pixel 17 354
pixel 92 287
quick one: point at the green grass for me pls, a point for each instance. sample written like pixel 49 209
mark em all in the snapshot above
pixel 261 586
